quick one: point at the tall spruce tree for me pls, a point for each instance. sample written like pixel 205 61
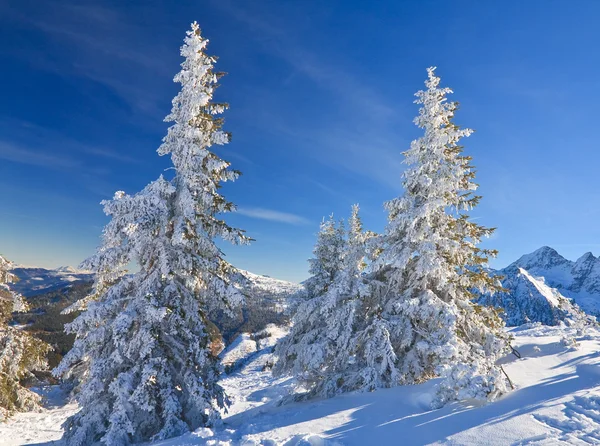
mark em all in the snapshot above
pixel 320 349
pixel 431 265
pixel 20 353
pixel 150 373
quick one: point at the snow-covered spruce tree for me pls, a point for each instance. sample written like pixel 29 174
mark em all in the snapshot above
pixel 150 373
pixel 20 353
pixel 320 348
pixel 327 260
pixel 431 265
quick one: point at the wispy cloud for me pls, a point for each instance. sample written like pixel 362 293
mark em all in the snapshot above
pixel 271 215
pixel 36 145
pixel 23 155
pixel 371 153
pixel 87 176
pixel 108 153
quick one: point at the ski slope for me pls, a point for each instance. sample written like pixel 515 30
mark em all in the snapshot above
pixel 556 402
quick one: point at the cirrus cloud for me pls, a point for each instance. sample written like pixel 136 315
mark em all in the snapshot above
pixel 271 215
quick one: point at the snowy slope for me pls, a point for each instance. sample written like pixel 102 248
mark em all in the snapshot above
pixel 557 402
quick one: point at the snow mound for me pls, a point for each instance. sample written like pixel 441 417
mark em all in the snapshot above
pixel 240 349
pixel 43 427
pixel 247 345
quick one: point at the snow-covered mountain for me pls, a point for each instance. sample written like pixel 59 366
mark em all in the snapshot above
pixel 531 299
pixel 279 292
pixel 579 280
pixel 541 284
pixel 267 301
pixel 33 280
pixel 49 291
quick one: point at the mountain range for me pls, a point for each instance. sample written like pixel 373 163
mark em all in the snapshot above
pixel 545 287
pixel 541 286
pixel 34 280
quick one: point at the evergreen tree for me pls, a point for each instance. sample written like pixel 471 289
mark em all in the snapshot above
pixel 20 353
pixel 327 260
pixel 431 265
pixel 320 349
pixel 150 371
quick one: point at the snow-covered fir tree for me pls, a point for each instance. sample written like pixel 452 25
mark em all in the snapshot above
pixel 431 264
pixel 20 353
pixel 328 253
pixel 320 348
pixel 150 373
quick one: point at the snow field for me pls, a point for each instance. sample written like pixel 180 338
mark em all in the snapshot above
pixel 556 402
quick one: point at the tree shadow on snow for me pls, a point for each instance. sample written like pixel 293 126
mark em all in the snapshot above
pixel 401 414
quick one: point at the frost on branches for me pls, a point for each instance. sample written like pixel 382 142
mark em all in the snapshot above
pixel 321 349
pixel 150 373
pixel 20 353
pixel 431 265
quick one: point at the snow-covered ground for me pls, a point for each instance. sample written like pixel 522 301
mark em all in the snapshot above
pixel 43 427
pixel 557 401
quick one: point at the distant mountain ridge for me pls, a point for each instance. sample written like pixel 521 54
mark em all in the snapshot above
pixel 267 300
pixel 34 280
pixel 539 288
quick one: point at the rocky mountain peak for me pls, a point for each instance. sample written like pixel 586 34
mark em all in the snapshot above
pixel 585 260
pixel 542 258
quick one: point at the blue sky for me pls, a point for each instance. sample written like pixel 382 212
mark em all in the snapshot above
pixel 321 108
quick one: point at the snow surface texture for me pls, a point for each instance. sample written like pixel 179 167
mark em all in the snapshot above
pixel 557 402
